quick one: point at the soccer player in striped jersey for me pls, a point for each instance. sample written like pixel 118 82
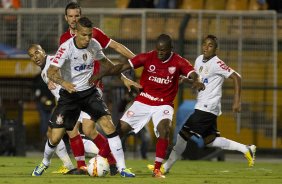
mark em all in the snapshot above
pixel 201 126
pixel 72 14
pixel 72 68
pixel 38 56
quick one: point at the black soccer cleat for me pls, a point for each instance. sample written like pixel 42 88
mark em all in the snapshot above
pixel 113 169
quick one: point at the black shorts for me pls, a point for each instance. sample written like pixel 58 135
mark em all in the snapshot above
pixel 203 123
pixel 69 106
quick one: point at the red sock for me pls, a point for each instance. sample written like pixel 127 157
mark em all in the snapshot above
pixel 161 147
pixel 77 147
pixel 104 148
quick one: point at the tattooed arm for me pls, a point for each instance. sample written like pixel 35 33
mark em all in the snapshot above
pixel 53 73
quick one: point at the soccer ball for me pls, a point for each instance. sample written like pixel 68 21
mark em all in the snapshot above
pixel 98 166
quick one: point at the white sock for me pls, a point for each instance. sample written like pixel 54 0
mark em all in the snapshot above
pixel 62 153
pixel 117 151
pixel 90 147
pixel 176 152
pixel 227 144
pixel 48 153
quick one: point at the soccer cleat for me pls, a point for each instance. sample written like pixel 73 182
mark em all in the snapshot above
pixel 38 171
pixel 152 167
pixel 113 169
pixel 61 170
pixel 81 171
pixel 126 173
pixel 158 174
pixel 250 155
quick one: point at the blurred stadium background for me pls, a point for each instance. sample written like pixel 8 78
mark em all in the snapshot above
pixel 250 41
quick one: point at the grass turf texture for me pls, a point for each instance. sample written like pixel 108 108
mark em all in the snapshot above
pixel 17 170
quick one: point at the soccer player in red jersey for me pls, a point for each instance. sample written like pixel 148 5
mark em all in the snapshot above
pixel 159 79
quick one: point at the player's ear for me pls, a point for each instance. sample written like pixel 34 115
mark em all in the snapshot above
pixel 66 17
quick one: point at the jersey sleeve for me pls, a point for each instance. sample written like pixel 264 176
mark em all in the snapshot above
pixel 61 55
pixel 222 69
pixel 139 60
pixel 186 67
pixel 101 37
pixel 63 39
pixel 99 51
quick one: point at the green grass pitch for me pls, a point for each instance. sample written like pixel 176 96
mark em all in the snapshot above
pixel 17 170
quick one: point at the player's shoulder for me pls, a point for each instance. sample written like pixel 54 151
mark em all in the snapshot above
pixel 97 31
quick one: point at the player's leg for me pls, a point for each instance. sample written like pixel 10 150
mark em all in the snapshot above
pixel 227 144
pixel 115 145
pixel 49 150
pixel 62 153
pixel 77 147
pixel 99 113
pixel 162 119
pixel 192 129
pixel 88 127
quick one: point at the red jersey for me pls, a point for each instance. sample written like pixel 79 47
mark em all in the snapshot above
pixel 159 79
pixel 100 36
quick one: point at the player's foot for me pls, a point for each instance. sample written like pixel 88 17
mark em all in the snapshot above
pixel 126 173
pixel 61 170
pixel 158 174
pixel 38 171
pixel 250 155
pixel 113 169
pixel 81 171
pixel 162 169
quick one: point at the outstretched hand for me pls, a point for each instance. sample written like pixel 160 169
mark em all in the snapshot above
pixel 129 83
pixel 70 87
pixel 51 85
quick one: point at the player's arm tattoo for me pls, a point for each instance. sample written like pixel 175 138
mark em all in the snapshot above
pixel 53 73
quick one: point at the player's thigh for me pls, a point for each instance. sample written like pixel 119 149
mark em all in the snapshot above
pixel 95 107
pixel 65 116
pixel 200 122
pixel 137 116
pixel 162 118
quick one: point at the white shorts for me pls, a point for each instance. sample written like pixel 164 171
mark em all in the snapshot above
pixel 139 114
pixel 83 115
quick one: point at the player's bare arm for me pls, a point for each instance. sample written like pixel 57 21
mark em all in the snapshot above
pixel 236 107
pixel 196 83
pixel 53 73
pixel 110 69
pixel 118 47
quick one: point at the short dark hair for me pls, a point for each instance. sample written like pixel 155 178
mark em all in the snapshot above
pixel 165 39
pixel 72 5
pixel 85 22
pixel 214 38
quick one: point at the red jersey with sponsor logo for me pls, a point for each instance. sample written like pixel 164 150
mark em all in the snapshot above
pixel 159 79
pixel 100 36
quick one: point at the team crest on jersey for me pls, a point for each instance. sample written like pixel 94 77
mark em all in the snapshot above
pixel 60 119
pixel 129 114
pixel 200 69
pixel 171 70
pixel 84 56
pixel 166 112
